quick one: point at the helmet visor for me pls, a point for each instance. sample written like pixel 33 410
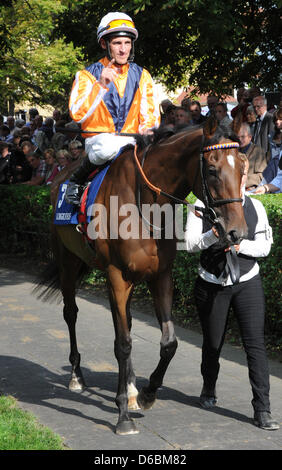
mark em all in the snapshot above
pixel 119 25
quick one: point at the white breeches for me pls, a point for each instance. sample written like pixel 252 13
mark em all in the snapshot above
pixel 103 147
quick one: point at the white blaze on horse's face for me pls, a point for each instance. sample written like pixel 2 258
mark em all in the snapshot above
pixel 231 160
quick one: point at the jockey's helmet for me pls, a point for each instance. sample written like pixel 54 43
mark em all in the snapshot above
pixel 117 24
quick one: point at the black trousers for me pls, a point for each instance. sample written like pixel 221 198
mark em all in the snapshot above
pixel 247 300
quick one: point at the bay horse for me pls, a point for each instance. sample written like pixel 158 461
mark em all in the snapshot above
pixel 201 159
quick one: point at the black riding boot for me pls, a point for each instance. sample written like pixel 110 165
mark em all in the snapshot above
pixel 77 180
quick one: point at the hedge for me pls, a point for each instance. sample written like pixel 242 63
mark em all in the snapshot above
pixel 25 214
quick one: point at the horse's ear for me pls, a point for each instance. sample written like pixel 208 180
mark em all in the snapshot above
pixel 210 127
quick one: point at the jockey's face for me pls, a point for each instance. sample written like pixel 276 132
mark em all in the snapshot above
pixel 120 48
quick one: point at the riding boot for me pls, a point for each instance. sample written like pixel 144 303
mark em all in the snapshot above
pixel 77 180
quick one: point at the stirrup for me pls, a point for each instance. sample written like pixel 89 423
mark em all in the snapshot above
pixel 73 193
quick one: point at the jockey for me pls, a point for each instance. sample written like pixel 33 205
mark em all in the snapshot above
pixel 111 96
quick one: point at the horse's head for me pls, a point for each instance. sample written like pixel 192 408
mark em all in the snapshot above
pixel 222 171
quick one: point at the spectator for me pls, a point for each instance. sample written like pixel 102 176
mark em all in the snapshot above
pixel 13 166
pixel 52 168
pixel 43 135
pixel 222 116
pixel 10 122
pixel 32 114
pixel 21 171
pixel 73 133
pixel 254 91
pixel 5 162
pixel 169 119
pixel 163 107
pixel 28 147
pixel 256 157
pixel 275 186
pixel 47 127
pixel 63 158
pixel 5 133
pixel 59 139
pixel 185 103
pixel 76 149
pixel 38 170
pixel 57 116
pixel 26 131
pixel 264 124
pixel 182 116
pixel 270 171
pixel 195 110
pixel 251 118
pixel 19 124
pixel 212 101
pixel 244 100
pixel 215 293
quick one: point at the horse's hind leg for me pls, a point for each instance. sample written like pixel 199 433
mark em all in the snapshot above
pixel 70 268
pixel 119 291
pixel 161 290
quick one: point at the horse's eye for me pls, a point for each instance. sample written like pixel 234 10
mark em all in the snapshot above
pixel 212 171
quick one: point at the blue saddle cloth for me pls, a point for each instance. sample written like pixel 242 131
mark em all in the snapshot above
pixel 65 213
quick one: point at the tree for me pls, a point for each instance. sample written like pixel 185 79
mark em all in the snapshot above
pixel 214 45
pixel 34 67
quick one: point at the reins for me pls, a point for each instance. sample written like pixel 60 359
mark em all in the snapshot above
pixel 209 202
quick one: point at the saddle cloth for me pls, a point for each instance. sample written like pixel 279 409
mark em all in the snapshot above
pixel 68 214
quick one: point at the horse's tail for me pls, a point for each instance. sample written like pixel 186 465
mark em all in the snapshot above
pixel 48 288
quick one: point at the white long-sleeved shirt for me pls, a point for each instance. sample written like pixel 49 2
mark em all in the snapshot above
pixel 259 247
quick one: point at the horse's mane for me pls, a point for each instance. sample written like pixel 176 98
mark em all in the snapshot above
pixel 164 132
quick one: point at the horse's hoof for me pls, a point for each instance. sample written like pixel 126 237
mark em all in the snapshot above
pixel 132 404
pixel 125 428
pixel 76 384
pixel 146 400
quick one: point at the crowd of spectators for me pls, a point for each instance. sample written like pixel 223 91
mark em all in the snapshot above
pixel 32 152
pixel 260 129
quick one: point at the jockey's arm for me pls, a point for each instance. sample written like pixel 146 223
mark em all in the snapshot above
pixel 149 113
pixel 86 95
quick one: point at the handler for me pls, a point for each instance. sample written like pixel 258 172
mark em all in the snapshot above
pixel 113 95
pixel 215 293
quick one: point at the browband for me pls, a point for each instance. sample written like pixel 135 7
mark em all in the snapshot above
pixel 227 145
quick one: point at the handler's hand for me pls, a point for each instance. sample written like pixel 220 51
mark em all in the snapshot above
pixel 235 246
pixel 259 190
pixel 108 74
pixel 215 232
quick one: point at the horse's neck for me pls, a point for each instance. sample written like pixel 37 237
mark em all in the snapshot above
pixel 174 165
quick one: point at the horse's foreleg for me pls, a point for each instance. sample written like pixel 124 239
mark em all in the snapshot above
pixel 162 290
pixel 119 291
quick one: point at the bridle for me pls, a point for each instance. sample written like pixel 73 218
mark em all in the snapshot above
pixel 210 203
pixel 208 200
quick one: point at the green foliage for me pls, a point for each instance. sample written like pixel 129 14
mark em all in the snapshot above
pixel 213 44
pixel 25 214
pixel 35 67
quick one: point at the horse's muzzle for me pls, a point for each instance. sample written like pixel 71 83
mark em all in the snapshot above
pixel 235 237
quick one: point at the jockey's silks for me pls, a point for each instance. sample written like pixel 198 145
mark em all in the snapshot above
pixel 128 104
